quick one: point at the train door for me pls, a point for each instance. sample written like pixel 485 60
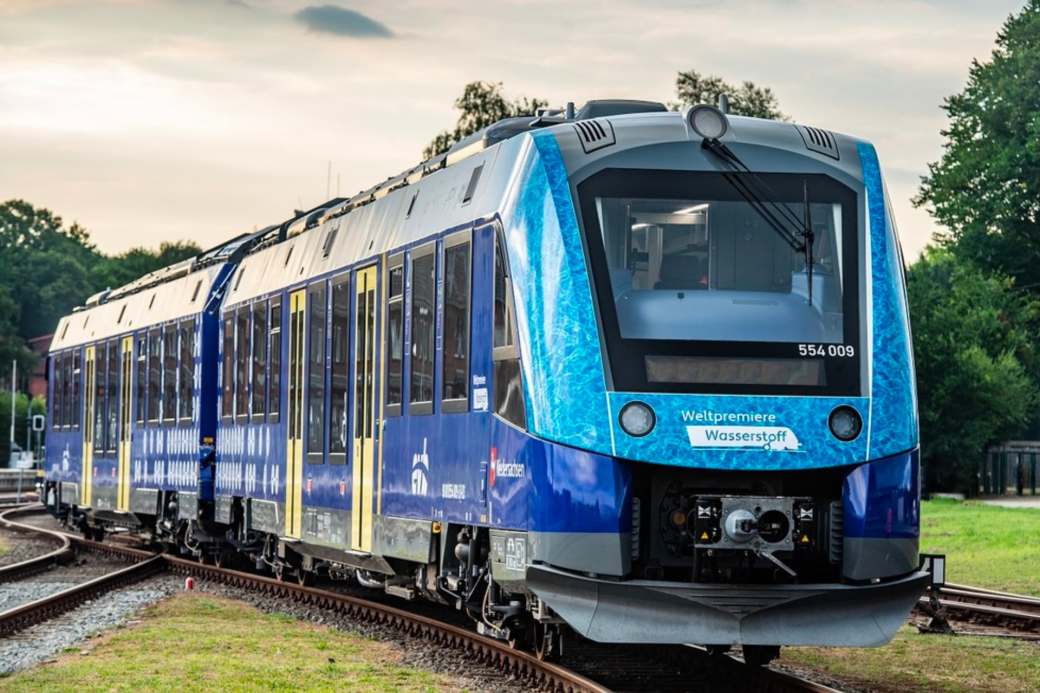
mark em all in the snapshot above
pixel 123 474
pixel 294 425
pixel 86 476
pixel 364 409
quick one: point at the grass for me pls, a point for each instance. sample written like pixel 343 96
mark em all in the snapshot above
pixel 985 546
pixel 3 547
pixel 203 643
pixel 915 662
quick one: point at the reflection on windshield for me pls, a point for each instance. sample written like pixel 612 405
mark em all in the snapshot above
pixel 697 269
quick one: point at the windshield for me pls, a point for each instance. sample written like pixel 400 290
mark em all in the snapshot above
pixel 697 288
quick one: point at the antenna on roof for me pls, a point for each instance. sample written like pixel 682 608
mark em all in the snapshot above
pixel 724 103
pixel 568 111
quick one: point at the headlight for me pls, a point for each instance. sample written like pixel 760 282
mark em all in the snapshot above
pixel 637 419
pixel 845 423
pixel 707 121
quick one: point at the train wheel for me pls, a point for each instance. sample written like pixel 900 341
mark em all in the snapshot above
pixel 760 655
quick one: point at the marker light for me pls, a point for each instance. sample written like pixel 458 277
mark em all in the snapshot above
pixel 637 419
pixel 845 423
pixel 707 121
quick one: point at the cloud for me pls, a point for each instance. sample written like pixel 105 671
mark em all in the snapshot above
pixel 340 21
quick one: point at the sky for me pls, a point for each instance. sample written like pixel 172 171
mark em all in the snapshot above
pixel 161 120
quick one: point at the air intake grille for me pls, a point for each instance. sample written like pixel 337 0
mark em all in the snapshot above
pixel 594 134
pixel 819 141
pixel 837 533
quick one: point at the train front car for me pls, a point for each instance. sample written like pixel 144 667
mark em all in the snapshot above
pixel 718 384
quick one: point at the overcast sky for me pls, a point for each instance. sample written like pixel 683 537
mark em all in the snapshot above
pixel 153 120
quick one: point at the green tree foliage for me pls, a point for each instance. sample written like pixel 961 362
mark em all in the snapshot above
pixel 749 99
pixel 986 187
pixel 481 104
pixel 976 363
pixel 124 268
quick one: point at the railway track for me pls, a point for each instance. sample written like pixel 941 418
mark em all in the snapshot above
pixel 1018 614
pixel 602 663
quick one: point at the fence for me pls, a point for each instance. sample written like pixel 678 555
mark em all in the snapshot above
pixel 1010 469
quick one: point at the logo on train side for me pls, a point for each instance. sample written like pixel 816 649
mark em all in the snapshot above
pixel 739 430
pixel 421 471
pixel 501 468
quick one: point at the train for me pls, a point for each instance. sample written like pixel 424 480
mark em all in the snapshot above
pixel 632 373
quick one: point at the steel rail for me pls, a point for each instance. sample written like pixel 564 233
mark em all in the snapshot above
pixel 31 566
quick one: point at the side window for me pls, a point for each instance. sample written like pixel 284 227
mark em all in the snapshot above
pixel 227 369
pixel 100 398
pixel 455 376
pixel 242 361
pixel 395 336
pixel 259 360
pixel 316 373
pixel 186 400
pixel 74 414
pixel 114 376
pixel 58 388
pixel 66 391
pixel 142 378
pixel 169 386
pixel 154 374
pixel 274 399
pixel 423 269
pixel 340 370
pixel 508 386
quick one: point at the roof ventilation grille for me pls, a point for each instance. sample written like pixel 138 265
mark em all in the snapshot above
pixel 819 141
pixel 594 134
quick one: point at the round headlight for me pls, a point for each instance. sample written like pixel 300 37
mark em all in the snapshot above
pixel 707 121
pixel 637 419
pixel 845 423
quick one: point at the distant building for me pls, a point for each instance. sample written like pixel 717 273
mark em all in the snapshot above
pixel 1010 468
pixel 38 378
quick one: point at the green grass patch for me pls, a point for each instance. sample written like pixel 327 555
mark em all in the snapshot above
pixel 985 546
pixel 929 663
pixel 193 642
pixel 3 547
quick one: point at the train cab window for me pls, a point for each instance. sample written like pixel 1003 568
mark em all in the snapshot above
pixel 227 369
pixel 58 387
pixel 340 358
pixel 65 403
pixel 169 386
pixel 142 378
pixel 154 373
pixel 395 336
pixel 114 377
pixel 100 398
pixel 455 374
pixel 274 398
pixel 242 357
pixel 186 382
pixel 316 373
pixel 73 414
pixel 508 387
pixel 259 406
pixel 423 272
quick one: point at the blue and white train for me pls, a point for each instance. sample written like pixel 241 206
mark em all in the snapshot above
pixel 641 373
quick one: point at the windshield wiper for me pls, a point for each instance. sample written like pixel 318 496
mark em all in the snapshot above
pixel 798 234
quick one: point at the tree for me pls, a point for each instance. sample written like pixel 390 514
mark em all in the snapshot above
pixel 985 189
pixel 976 363
pixel 481 104
pixel 692 88
pixel 124 268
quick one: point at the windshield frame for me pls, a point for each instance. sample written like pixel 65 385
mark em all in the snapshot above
pixel 626 357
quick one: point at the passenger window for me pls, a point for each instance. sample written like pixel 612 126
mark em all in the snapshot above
pixel 100 401
pixel 58 387
pixel 395 337
pixel 455 375
pixel 259 406
pixel 508 384
pixel 186 401
pixel 114 376
pixel 423 326
pixel 316 373
pixel 142 378
pixel 340 370
pixel 274 398
pixel 227 370
pixel 242 357
pixel 169 388
pixel 154 375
